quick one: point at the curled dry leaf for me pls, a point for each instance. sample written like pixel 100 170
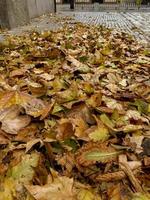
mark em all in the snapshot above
pixel 12 126
pixel 65 129
pixel 12 121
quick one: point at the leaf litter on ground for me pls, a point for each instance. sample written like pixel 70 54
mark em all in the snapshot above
pixel 75 114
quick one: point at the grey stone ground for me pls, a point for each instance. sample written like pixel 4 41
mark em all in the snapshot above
pixel 135 23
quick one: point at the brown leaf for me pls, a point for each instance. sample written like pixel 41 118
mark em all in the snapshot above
pixel 12 122
pixel 60 189
pixel 65 129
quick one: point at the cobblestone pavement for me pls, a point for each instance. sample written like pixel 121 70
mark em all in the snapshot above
pixel 134 23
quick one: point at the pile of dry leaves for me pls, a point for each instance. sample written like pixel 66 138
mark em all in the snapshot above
pixel 75 116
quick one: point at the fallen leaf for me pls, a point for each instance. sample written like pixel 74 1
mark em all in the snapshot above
pixel 87 194
pixel 60 189
pixel 12 121
pixel 107 121
pixel 100 134
pixel 18 175
pixel 141 196
pixel 101 156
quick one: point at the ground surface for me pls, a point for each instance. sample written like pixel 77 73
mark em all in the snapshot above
pixel 135 23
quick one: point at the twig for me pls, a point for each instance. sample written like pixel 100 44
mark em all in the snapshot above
pixel 125 167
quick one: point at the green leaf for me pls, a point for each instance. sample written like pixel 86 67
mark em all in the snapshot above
pixel 107 121
pixel 57 108
pixel 71 143
pixel 100 134
pixel 84 69
pixel 102 156
pixel 142 106
pixel 83 59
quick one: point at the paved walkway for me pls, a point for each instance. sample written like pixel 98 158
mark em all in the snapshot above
pixel 135 23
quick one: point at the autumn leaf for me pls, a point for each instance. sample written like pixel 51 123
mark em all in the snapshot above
pixel 141 105
pixel 101 156
pixel 87 194
pixel 131 128
pixel 112 103
pixel 95 100
pixel 12 126
pixel 107 121
pixel 65 129
pixel 60 189
pixel 79 96
pixel 12 121
pixel 141 197
pixel 92 153
pixel 82 68
pixel 18 175
pixel 33 106
pixel 100 134
pixel 69 94
pixel 24 171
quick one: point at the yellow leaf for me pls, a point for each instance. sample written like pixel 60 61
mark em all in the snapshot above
pixel 107 121
pixel 86 194
pixel 33 106
pixel 138 196
pixel 100 134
